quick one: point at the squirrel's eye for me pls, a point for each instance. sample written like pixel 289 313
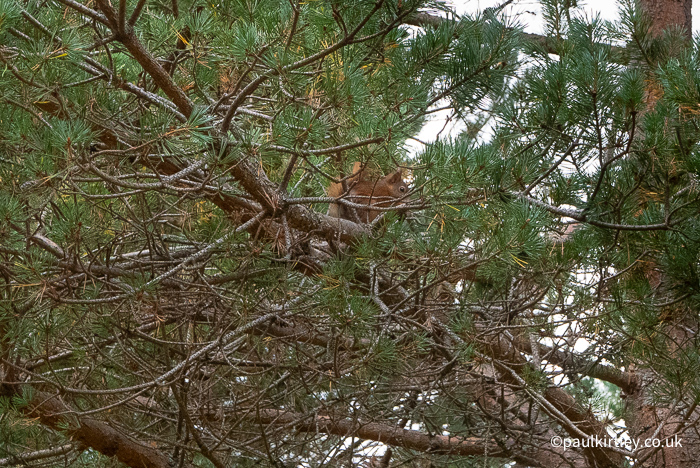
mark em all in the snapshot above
pixel 402 189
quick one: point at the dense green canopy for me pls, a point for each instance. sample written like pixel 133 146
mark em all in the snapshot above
pixel 175 295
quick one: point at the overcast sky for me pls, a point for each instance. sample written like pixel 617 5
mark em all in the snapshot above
pixel 529 11
pixel 529 15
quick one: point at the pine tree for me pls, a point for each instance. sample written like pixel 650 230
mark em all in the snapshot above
pixel 175 295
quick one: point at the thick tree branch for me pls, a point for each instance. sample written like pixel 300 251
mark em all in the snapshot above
pixel 54 413
pixel 578 420
pixel 385 433
pixel 571 362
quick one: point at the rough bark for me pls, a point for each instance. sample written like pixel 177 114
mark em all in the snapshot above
pixel 390 435
pixel 92 433
pixel 668 13
pixel 648 418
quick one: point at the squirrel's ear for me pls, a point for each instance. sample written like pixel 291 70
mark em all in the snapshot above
pixel 395 178
pixel 357 170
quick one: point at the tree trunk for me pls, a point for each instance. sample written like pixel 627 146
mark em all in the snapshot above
pixel 668 13
pixel 648 419
pixel 669 423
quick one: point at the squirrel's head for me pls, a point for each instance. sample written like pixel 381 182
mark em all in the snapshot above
pixel 396 184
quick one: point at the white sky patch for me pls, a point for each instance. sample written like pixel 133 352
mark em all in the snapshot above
pixel 440 124
pixel 529 13
pixel 444 123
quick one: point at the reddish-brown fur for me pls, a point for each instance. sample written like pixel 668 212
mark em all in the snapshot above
pixel 383 192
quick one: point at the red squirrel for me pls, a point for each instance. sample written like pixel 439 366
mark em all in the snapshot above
pixel 383 192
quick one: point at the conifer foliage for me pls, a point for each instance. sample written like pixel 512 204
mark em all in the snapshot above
pixel 174 294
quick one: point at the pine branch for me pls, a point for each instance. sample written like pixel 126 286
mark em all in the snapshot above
pixel 101 437
pixel 150 65
pixel 572 362
pixel 380 432
pixel 577 421
pixel 253 85
pixel 581 216
pixel 24 458
pixel 423 20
